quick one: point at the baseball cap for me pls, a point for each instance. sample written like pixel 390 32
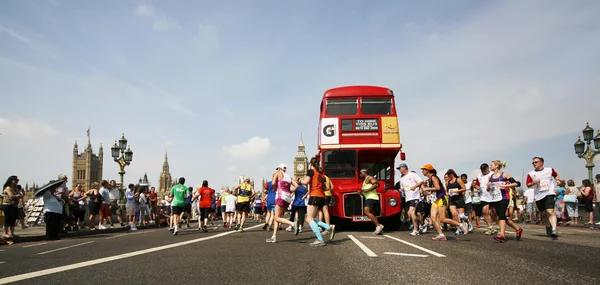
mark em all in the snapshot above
pixel 62 176
pixel 402 165
pixel 484 166
pixel 364 170
pixel 428 167
pixel 281 165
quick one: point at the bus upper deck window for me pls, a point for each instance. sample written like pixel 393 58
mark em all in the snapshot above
pixel 336 107
pixel 376 106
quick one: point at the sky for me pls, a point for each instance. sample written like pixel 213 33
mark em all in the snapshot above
pixel 227 87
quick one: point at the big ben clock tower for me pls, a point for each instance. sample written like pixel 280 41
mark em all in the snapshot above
pixel 300 161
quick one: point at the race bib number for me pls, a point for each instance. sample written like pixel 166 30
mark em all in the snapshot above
pixel 286 196
pixel 497 191
pixel 453 192
pixel 544 186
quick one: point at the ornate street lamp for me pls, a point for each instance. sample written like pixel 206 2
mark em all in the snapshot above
pixel 122 155
pixel 589 153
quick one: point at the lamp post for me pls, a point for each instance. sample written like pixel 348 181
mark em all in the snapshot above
pixel 589 153
pixel 122 155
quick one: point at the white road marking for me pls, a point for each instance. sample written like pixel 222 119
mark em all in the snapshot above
pixel 361 245
pixel 406 254
pixel 416 246
pixel 1 249
pixel 66 247
pixel 130 233
pixel 2 262
pixel 372 237
pixel 40 273
pixel 36 244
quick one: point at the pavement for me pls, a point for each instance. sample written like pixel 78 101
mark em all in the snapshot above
pixel 224 256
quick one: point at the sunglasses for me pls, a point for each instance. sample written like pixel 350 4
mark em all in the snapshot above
pixel 535 162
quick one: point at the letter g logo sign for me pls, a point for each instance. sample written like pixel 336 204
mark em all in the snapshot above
pixel 329 130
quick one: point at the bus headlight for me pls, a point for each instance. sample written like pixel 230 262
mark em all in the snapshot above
pixel 392 201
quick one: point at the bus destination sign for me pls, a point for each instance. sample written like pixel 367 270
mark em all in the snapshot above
pixel 367 124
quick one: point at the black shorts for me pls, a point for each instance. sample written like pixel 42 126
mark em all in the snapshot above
pixel 114 209
pixel 588 206
pixel 412 203
pixel 177 210
pixel 468 208
pixel 204 213
pixel 10 215
pixel 329 201
pixel 374 205
pixel 484 203
pixel 242 207
pixel 500 207
pixel 211 210
pixel 187 208
pixel 258 209
pixel 319 202
pixel 478 208
pixel 457 201
pixel 547 203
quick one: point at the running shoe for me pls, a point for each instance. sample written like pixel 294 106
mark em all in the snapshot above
pixel 495 231
pixel 470 228
pixel 102 227
pixel 439 238
pixel 500 238
pixel 237 227
pixel 205 229
pixel 379 229
pixel 271 240
pixel 553 234
pixel 289 229
pixel 465 228
pixel 175 232
pixel 187 226
pixel 424 230
pixel 265 227
pixel 317 243
pixel 548 231
pixel 519 233
pixel 411 227
pixel 457 232
pixel 296 229
pixel 414 233
pixel 171 229
pixel 240 230
pixel 332 234
pixel 489 231
pixel 324 233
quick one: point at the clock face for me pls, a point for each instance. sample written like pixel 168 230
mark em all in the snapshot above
pixel 300 167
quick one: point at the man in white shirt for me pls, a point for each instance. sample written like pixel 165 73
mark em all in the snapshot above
pixel 410 184
pixel 543 181
pixel 53 210
pixel 115 195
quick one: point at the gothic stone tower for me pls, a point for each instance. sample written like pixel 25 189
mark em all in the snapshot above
pixel 165 178
pixel 87 167
pixel 300 161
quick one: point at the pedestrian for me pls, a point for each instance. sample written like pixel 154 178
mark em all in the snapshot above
pixel 298 213
pixel 245 192
pixel 153 202
pixel 105 216
pixel 270 193
pixel 21 206
pixel 94 205
pixel 486 198
pixel 572 196
pixel 500 184
pixel 316 202
pixel 230 206
pixel 131 196
pixel 559 209
pixel 410 184
pixel 115 195
pixel 78 198
pixel 205 195
pixel 10 206
pixel 587 193
pixel 283 182
pixel 144 205
pixel 63 193
pixel 223 199
pixel 456 189
pixel 542 180
pixel 53 211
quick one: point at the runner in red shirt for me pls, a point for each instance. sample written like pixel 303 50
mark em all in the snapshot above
pixel 206 195
pixel 153 203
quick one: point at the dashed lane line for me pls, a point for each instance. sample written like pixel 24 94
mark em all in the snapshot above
pixel 54 270
pixel 364 248
pixel 66 247
pixel 406 254
pixel 416 246
pixel 2 262
pixel 35 244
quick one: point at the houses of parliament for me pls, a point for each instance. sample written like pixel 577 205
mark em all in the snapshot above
pixel 88 168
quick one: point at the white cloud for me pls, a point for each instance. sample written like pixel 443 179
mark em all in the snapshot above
pixel 160 22
pixel 254 147
pixel 144 10
pixel 26 128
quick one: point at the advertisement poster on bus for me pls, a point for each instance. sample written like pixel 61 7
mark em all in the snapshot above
pixel 329 131
pixel 390 132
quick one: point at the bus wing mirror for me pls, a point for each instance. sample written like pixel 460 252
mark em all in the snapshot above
pixel 402 156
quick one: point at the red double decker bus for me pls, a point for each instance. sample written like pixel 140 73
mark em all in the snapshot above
pixel 358 129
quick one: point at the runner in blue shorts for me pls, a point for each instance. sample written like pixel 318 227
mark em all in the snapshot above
pixel 270 206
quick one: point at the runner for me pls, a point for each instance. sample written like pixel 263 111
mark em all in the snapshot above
pixel 282 182
pixel 316 202
pixel 179 193
pixel 224 205
pixel 298 212
pixel 369 190
pixel 542 180
pixel 500 184
pixel 324 214
pixel 187 208
pixel 230 203
pixel 440 204
pixel 476 204
pixel 411 186
pixel 485 196
pixel 456 189
pixel 258 208
pixel 206 195
pixel 245 193
pixel 468 200
pixel 270 205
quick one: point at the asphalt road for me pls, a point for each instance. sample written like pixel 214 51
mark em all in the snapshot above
pixel 222 256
